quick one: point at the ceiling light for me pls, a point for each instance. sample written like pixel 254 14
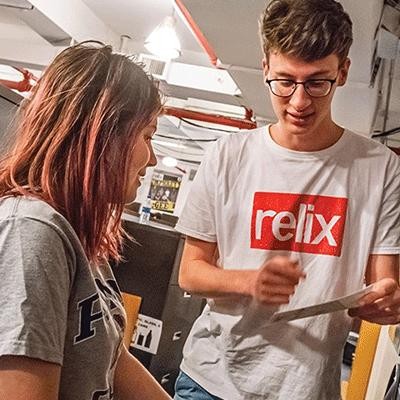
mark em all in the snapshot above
pixel 163 41
pixel 170 161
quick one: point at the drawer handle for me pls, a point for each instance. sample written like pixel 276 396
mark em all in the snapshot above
pixel 176 336
pixel 165 379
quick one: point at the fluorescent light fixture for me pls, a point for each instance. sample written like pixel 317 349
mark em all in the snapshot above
pixel 169 144
pixel 170 161
pixel 163 41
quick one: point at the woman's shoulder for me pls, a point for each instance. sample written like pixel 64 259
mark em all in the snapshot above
pixel 39 217
pixel 23 207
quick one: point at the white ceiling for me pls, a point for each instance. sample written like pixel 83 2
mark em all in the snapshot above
pixel 230 26
pixel 138 18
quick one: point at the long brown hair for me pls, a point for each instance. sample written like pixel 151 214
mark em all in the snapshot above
pixel 75 138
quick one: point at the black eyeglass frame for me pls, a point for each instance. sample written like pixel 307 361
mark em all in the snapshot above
pixel 304 83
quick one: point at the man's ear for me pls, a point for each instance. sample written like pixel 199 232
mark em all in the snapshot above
pixel 343 72
pixel 265 67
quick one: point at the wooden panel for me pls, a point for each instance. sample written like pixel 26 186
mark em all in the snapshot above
pixel 132 307
pixel 363 360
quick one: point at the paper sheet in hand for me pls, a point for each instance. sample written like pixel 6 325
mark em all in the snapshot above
pixel 341 303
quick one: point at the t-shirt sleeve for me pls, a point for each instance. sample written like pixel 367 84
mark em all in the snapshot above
pixel 198 215
pixel 35 276
pixel 387 235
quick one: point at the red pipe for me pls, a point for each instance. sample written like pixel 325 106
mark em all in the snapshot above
pixel 26 72
pixel 22 86
pixel 395 149
pixel 242 124
pixel 248 113
pixel 198 33
pixel 212 118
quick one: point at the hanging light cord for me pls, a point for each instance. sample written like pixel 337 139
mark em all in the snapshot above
pixel 387 133
pixel 27 8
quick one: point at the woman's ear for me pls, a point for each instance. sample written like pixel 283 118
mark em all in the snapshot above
pixel 343 72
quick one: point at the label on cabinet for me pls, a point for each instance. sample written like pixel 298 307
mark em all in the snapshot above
pixel 147 334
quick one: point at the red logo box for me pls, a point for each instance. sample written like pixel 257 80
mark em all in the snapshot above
pixel 298 222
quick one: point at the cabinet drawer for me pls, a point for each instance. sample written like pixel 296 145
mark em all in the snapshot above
pixel 181 307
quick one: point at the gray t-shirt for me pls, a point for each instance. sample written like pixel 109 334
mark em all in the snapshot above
pixel 54 306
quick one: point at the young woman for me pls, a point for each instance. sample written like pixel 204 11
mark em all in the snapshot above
pixel 82 145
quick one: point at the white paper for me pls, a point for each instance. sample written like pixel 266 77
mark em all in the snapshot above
pixel 340 303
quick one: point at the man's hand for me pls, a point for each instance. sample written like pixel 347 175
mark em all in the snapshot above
pixel 382 305
pixel 276 280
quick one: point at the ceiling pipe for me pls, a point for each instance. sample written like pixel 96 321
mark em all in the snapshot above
pixel 388 94
pixel 247 123
pixel 248 114
pixel 21 86
pixel 390 132
pixel 26 72
pixel 124 44
pixel 395 149
pixel 198 33
pixel 211 118
pixel 25 8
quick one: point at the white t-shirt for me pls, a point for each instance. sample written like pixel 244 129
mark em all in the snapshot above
pixel 330 209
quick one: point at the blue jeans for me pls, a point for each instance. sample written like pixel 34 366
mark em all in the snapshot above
pixel 187 389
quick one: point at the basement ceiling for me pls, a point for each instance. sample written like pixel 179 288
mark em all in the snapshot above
pixel 229 26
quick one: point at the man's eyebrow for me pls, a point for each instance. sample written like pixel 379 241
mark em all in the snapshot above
pixel 283 74
pixel 320 74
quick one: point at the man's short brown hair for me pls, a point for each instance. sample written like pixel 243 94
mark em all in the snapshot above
pixel 307 29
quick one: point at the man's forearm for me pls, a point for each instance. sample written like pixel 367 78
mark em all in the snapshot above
pixel 382 266
pixel 272 283
pixel 204 279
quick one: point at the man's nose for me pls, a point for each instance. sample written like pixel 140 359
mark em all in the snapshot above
pixel 300 99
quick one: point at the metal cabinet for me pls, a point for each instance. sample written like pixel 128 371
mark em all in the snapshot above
pixel 150 270
pixel 9 103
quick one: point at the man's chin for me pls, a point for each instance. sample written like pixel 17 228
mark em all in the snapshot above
pixel 299 123
pixel 296 129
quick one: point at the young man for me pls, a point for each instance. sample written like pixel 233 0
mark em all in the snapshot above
pixel 289 215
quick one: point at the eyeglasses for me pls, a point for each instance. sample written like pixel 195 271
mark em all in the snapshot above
pixel 313 87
